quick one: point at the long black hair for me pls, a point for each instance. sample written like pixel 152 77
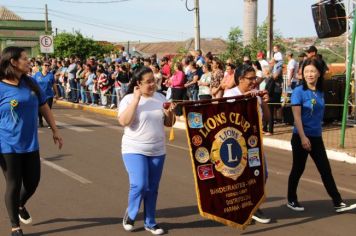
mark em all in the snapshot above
pixel 242 71
pixel 8 71
pixel 137 77
pixel 317 64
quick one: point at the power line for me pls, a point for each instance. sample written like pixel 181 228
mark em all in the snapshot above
pixel 97 21
pixel 107 27
pixel 113 1
pixel 149 30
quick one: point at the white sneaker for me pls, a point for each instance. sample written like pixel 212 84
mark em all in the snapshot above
pixel 156 230
pixel 127 223
pixel 24 216
pixel 112 106
pixel 342 207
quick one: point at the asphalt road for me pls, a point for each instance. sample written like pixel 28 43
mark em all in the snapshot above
pixel 83 190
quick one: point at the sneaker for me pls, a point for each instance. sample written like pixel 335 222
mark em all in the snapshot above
pixel 24 216
pixel 156 230
pixel 17 232
pixel 343 207
pixel 260 217
pixel 295 206
pixel 112 106
pixel 127 223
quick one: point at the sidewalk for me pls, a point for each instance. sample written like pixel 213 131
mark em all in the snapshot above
pixel 280 139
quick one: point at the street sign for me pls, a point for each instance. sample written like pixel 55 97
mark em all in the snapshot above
pixel 46 44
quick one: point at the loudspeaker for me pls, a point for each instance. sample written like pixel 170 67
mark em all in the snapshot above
pixel 329 18
pixel 334 92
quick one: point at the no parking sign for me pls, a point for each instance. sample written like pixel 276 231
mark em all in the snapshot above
pixel 46 44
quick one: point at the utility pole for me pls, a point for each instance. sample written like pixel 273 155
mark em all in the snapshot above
pixel 270 30
pixel 46 25
pixel 197 22
pixel 46 19
pixel 197 25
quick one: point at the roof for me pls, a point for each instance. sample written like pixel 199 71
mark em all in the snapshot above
pixel 6 14
pixel 215 46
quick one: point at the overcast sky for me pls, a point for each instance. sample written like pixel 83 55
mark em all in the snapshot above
pixel 162 20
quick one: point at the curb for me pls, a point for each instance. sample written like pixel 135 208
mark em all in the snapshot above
pixel 268 142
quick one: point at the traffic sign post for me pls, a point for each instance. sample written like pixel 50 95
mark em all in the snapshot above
pixel 46 44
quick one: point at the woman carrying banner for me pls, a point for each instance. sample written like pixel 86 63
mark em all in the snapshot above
pixel 20 100
pixel 245 80
pixel 142 114
pixel 308 110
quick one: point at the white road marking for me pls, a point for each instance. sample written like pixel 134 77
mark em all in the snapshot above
pixel 97 122
pixel 72 127
pixel 66 172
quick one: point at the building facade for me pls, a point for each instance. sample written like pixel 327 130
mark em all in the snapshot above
pixel 15 31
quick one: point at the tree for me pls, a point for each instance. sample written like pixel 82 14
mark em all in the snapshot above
pixel 236 51
pixel 67 44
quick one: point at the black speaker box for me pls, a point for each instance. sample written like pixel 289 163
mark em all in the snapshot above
pixel 334 92
pixel 329 18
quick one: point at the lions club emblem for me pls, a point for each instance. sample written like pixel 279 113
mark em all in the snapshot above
pixel 229 153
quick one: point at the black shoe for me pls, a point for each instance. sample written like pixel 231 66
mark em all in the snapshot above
pixel 40 124
pixel 17 232
pixel 343 207
pixel 156 230
pixel 127 223
pixel 260 217
pixel 295 206
pixel 24 216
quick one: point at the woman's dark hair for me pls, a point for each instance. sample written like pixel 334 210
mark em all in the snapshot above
pixel 193 64
pixel 207 66
pixel 179 66
pixel 316 63
pixel 218 61
pixel 8 71
pixel 91 68
pixel 257 64
pixel 137 77
pixel 231 65
pixel 209 55
pixel 79 63
pixel 242 71
pixel 155 65
pixel 39 63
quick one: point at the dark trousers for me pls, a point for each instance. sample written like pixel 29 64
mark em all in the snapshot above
pixel 178 94
pixel 318 154
pixel 22 174
pixel 269 124
pixel 73 90
pixel 40 118
pixel 204 97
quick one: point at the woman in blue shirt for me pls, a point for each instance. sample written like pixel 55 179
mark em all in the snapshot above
pixel 308 111
pixel 45 80
pixel 20 100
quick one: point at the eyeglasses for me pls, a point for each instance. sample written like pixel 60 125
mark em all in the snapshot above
pixel 46 65
pixel 148 82
pixel 251 78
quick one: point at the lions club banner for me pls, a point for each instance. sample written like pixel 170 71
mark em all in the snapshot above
pixel 227 158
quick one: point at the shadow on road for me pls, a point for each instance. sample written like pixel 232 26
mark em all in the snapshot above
pixel 314 210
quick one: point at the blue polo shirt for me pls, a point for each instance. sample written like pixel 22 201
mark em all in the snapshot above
pixel 312 104
pixel 46 83
pixel 18 123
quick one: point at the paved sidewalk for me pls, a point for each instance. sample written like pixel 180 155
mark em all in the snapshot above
pixel 280 139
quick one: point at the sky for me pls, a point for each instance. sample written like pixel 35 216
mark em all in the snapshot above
pixel 162 20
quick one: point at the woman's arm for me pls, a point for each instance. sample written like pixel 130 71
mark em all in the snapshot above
pixel 127 116
pixel 169 116
pixel 47 114
pixel 297 114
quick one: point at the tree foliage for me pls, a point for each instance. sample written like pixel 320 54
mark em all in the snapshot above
pixel 235 49
pixel 67 44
